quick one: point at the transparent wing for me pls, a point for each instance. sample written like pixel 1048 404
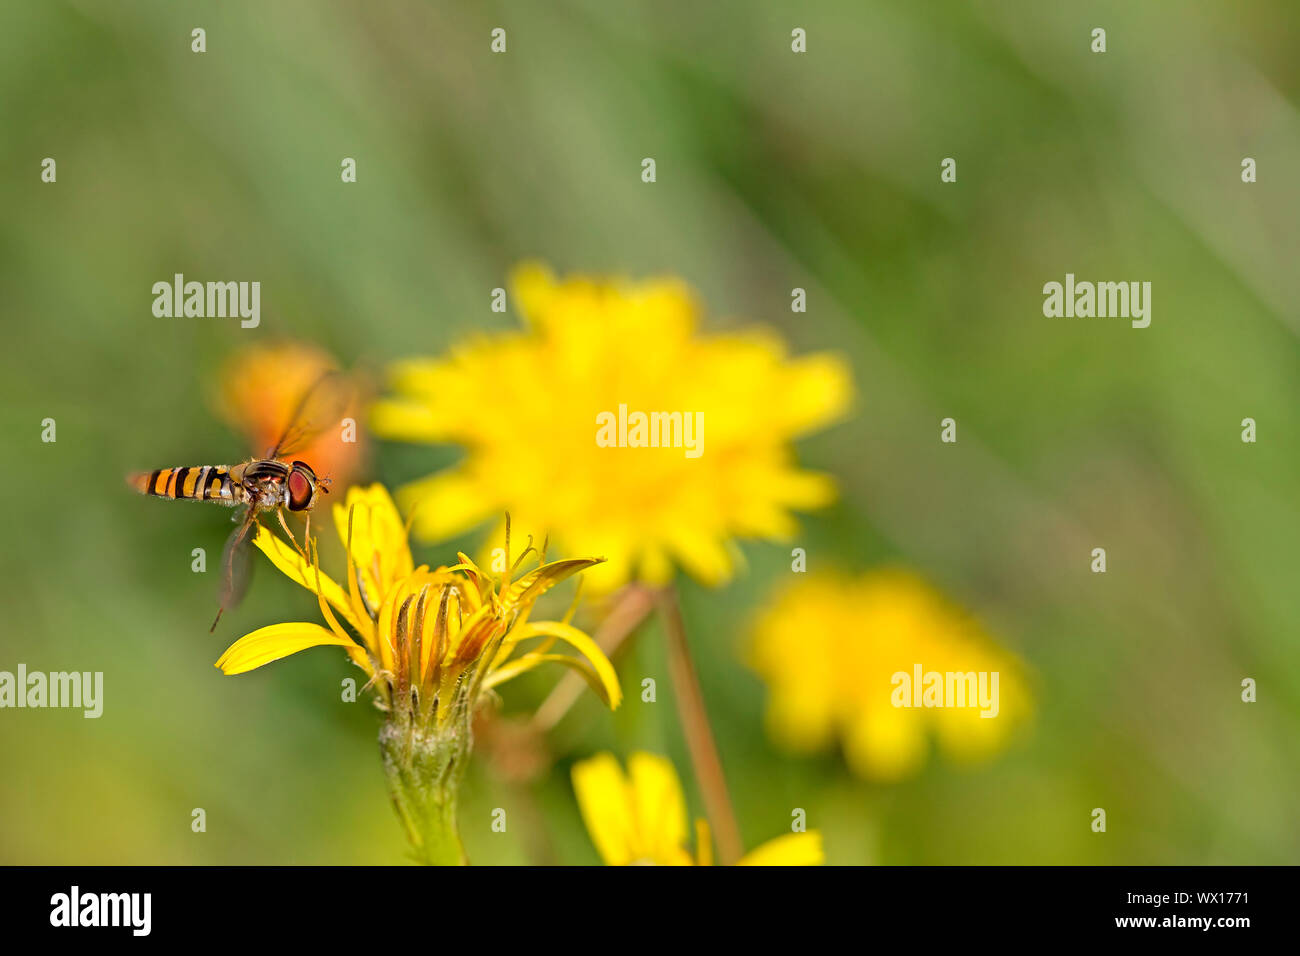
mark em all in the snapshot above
pixel 236 564
pixel 321 407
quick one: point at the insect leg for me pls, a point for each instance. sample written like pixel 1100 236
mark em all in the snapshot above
pixel 279 514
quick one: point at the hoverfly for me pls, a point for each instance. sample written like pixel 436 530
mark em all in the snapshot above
pixel 259 484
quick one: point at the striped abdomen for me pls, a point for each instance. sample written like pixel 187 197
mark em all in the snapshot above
pixel 199 483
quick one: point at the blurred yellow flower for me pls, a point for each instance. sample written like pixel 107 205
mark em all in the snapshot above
pixel 640 818
pixel 884 662
pixel 431 641
pixel 528 407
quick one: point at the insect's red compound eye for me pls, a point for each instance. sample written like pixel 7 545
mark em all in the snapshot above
pixel 300 490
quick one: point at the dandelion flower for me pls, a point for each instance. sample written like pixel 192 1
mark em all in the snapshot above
pixel 640 818
pixel 831 649
pixel 431 642
pixel 527 406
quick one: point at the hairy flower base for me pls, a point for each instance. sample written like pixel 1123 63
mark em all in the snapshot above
pixel 425 762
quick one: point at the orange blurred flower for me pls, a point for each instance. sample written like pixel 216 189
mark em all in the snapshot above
pixel 261 386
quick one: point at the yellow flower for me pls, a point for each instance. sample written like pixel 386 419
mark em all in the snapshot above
pixel 640 818
pixel 431 642
pixel 418 628
pixel 594 350
pixel 841 657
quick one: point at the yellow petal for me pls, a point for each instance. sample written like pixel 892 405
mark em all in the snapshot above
pixel 613 694
pixel 886 743
pixel 472 631
pixel 292 565
pixel 378 544
pixel 527 662
pixel 818 390
pixel 703 555
pixel 660 805
pixel 534 286
pixel 403 419
pixel 418 377
pixel 602 792
pixel 445 504
pixel 524 593
pixel 280 640
pixel 365 660
pixel 793 849
pixel 703 843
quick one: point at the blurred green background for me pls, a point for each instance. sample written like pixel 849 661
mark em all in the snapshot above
pixel 775 170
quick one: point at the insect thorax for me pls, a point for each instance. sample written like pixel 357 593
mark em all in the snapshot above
pixel 262 482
